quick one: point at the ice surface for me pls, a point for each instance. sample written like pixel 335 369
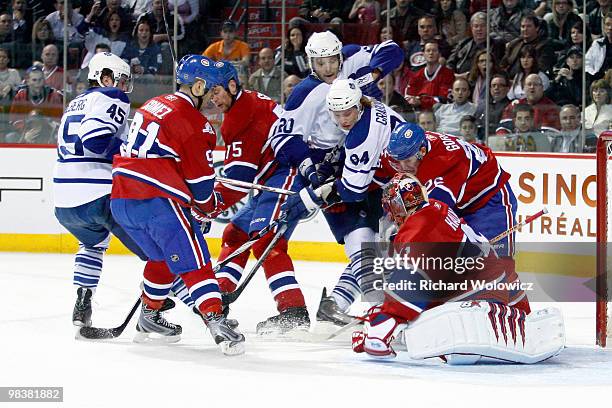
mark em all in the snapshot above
pixel 37 348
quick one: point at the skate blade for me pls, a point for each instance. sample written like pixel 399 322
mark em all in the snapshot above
pixel 297 333
pixel 232 348
pixel 155 338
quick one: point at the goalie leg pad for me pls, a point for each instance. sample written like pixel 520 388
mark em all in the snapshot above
pixel 491 330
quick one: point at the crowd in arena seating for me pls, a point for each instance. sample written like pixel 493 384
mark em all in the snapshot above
pixel 537 98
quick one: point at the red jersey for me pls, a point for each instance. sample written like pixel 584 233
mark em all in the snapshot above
pixel 168 154
pixel 435 232
pixel 461 174
pixel 545 116
pixel 431 89
pixel 248 156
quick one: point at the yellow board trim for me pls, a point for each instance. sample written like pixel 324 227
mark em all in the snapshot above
pixel 537 262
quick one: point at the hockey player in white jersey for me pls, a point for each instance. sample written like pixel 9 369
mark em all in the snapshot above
pixel 305 133
pixel 355 205
pixel 92 128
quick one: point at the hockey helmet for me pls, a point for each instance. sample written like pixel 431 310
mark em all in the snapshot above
pixel 406 141
pixel 343 94
pixel 119 70
pixel 402 197
pixel 192 68
pixel 227 72
pixel 324 44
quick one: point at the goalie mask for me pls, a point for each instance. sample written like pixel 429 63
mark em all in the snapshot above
pixel 105 63
pixel 402 197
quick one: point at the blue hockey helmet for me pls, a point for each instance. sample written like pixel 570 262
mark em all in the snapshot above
pixel 406 141
pixel 227 72
pixel 197 67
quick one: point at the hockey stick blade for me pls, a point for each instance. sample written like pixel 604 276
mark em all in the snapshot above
pixel 99 333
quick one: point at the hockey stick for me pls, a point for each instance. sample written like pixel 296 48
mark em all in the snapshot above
pixel 521 224
pixel 254 186
pixel 98 333
pixel 229 298
pixel 248 244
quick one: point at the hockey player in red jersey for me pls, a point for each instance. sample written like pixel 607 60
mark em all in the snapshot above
pixel 162 186
pixel 465 176
pixel 430 230
pixel 248 118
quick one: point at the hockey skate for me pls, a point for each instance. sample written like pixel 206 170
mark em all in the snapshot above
pixel 232 323
pixel 330 312
pixel 81 314
pixel 229 340
pixel 294 318
pixel 152 327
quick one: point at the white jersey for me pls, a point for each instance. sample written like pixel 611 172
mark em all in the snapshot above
pixel 91 131
pixel 306 113
pixel 363 146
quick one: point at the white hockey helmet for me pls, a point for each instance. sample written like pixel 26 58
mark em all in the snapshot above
pixel 120 70
pixel 324 44
pixel 343 94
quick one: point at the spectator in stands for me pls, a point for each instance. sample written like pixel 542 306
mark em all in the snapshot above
pixel 195 33
pixel 22 21
pixel 288 84
pixel 451 22
pixel 596 18
pixel 566 88
pixel 42 35
pixel 415 49
pixel 403 19
pixel 546 112
pixel 188 10
pixel 143 55
pixel 267 79
pixel 35 95
pixel 468 129
pixel 296 60
pixel 427 120
pixel 110 33
pixel 506 20
pixel 569 139
pixel 448 115
pixel 56 20
pixel 392 98
pixel 561 21
pixel 9 78
pixel 498 101
pixel 599 56
pixel 477 77
pixel 385 33
pixel 523 139
pixel 402 75
pixel 161 36
pixel 39 129
pixel 530 36
pixel 576 37
pixel 54 74
pixel 6 34
pixel 114 7
pixel 463 53
pixel 528 65
pixel 597 116
pixel 230 49
pixel 323 11
pixel 432 83
pixel 138 7
pixel 365 11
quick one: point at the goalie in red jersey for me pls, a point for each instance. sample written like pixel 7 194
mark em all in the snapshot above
pixel 437 304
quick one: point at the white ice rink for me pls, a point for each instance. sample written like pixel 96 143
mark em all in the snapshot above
pixel 38 348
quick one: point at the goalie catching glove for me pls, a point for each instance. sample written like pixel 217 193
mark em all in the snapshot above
pixel 309 200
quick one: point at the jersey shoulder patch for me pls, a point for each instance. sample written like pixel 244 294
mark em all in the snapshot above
pixel 301 91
